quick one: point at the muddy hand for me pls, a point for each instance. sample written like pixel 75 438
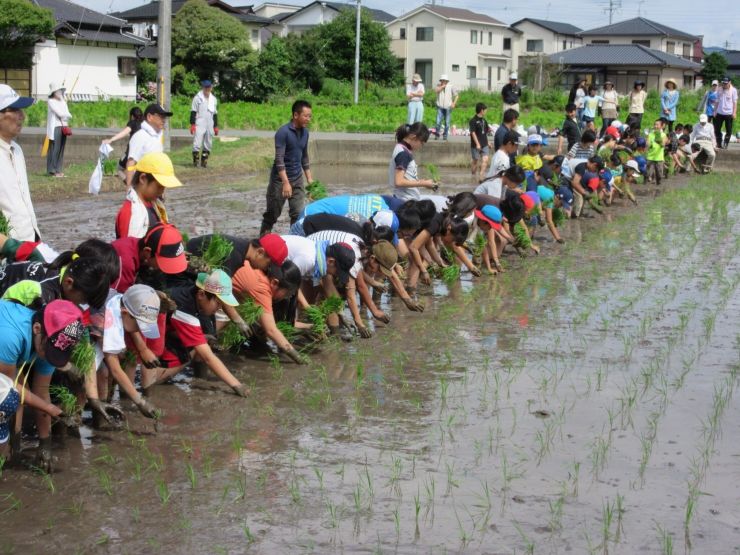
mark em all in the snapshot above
pixel 149 359
pixel 382 317
pixel 43 455
pixel 412 305
pixel 364 331
pixel 476 271
pixel 245 329
pixel 425 278
pixel 107 411
pixel 148 409
pixel 296 357
pixel 241 390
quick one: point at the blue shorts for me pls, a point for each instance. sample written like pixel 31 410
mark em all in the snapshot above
pixel 476 154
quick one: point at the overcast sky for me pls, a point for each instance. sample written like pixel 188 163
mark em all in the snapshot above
pixel 718 25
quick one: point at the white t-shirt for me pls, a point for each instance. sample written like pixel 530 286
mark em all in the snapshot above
pixel 113 332
pixel 144 141
pixel 302 253
pixel 500 163
pixel 402 158
pixel 492 187
pixel 342 237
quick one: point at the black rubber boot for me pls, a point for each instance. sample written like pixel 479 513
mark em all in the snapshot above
pixel 204 159
pixel 196 156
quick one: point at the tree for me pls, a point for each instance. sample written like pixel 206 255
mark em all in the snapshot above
pixel 715 67
pixel 337 48
pixel 212 43
pixel 22 24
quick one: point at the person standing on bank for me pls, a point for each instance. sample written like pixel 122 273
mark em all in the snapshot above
pixel 726 112
pixel 203 123
pixel 609 106
pixel 57 129
pixel 511 93
pixel 15 197
pixel 447 96
pixel 637 98
pixel 291 162
pixel 415 93
pixel 668 102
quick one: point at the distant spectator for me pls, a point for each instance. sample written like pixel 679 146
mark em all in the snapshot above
pixel 511 93
pixel 415 93
pixel 708 104
pixel 147 139
pixel 15 197
pixel 576 96
pixel 590 107
pixel 203 123
pixel 637 98
pixel 570 132
pixel 447 96
pixel 669 102
pixel 609 106
pixel 479 142
pixel 57 129
pixel 726 112
pixel 135 117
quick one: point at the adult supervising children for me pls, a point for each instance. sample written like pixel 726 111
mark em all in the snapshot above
pixel 637 98
pixel 291 162
pixel 57 129
pixel 15 196
pixel 726 112
pixel 415 94
pixel 203 123
pixel 511 93
pixel 147 139
pixel 479 142
pixel 447 96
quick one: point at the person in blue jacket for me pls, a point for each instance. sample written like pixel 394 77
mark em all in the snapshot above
pixel 668 102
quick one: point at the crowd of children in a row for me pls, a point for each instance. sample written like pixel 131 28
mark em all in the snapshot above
pixel 141 309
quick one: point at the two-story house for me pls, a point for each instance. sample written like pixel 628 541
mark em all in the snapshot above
pixel 475 50
pixel 544 37
pixel 650 34
pixel 316 13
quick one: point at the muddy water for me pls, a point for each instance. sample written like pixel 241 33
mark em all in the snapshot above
pixel 517 413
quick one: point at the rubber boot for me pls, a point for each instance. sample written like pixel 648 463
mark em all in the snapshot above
pixel 196 157
pixel 204 159
pixel 265 229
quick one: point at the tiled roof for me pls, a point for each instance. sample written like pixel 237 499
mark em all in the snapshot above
pixel 557 27
pixel 104 36
pixel 378 15
pixel 733 58
pixel 637 26
pixel 462 14
pixel 620 55
pixel 65 11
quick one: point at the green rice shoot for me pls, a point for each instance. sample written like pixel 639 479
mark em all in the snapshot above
pixel 83 356
pixel 558 217
pixel 433 172
pixel 479 245
pixel 288 330
pixel 316 190
pixel 318 314
pixel 250 311
pixel 67 400
pixel 451 273
pixel 217 251
pixel 4 224
pixel 231 337
pixel 521 237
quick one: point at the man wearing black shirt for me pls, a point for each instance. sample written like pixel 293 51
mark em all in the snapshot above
pixel 570 131
pixel 479 142
pixel 511 93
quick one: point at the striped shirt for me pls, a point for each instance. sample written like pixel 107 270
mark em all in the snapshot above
pixel 331 237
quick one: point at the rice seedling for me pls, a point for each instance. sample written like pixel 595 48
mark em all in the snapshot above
pixel 66 399
pixel 599 452
pixel 528 543
pixel 332 509
pixel 192 477
pixel 83 356
pixel 3 460
pixel 163 491
pixel 295 493
pixel 250 537
pixel 230 337
pixel 558 217
pixel 319 476
pixel 522 240
pixel 397 522
pixel 665 539
pixel 317 314
pixel 316 190
pixel 607 515
pixel 451 481
pixel 619 510
pixel 288 330
pixel 105 481
pixel 555 521
pixel 433 171
pixel 14 503
pixel 689 515
pixel 216 251
pixel 417 508
pixel 357 498
pixel 574 473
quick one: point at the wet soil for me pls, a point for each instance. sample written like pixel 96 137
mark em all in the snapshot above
pixel 573 404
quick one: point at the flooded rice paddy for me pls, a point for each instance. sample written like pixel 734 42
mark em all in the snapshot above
pixel 581 402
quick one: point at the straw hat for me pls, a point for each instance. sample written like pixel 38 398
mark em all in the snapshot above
pixel 416 78
pixel 675 85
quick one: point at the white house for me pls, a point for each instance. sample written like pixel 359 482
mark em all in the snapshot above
pixel 541 36
pixel 272 10
pixel 319 12
pixel 92 54
pixel 476 50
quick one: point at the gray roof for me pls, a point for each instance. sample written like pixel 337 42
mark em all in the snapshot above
pixel 620 55
pixel 638 26
pixel 733 58
pixel 65 11
pixel 378 15
pixel 150 11
pixel 104 36
pixel 557 27
pixel 463 14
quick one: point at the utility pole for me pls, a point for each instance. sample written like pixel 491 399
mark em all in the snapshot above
pixel 357 53
pixel 164 64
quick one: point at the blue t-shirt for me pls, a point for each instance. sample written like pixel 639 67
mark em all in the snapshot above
pixel 711 100
pixel 343 205
pixel 16 338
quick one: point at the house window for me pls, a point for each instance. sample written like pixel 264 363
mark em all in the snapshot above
pixel 455 67
pixel 403 33
pixel 490 38
pixel 255 35
pixel 670 47
pixel 498 73
pixel 471 72
pixel 126 66
pixel 688 81
pixel 565 44
pixel 507 44
pixel 425 34
pixel 599 42
pixel 642 42
pixel 686 50
pixel 473 37
pixel 424 69
pixel 535 45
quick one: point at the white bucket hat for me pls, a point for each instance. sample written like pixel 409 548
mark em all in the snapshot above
pixel 444 77
pixel 55 86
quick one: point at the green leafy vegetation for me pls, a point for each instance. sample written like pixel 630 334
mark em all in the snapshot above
pixel 316 190
pixel 521 237
pixel 433 172
pixel 66 399
pixel 216 251
pixel 231 337
pixel 83 356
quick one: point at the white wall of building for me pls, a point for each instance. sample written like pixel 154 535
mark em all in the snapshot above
pixel 551 42
pixel 271 9
pixel 84 70
pixel 656 42
pixel 308 18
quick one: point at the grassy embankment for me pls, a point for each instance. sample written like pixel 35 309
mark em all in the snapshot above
pixel 380 110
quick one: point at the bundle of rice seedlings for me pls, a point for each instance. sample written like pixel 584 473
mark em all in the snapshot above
pixel 479 245
pixel 521 237
pixel 231 337
pixel 250 311
pixel 66 399
pixel 317 314
pixel 558 216
pixel 288 330
pixel 451 273
pixel 433 172
pixel 4 224
pixel 217 251
pixel 316 190
pixel 83 356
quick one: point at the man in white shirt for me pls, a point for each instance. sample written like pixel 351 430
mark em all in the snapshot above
pixel 15 197
pixel 703 135
pixel 147 139
pixel 447 96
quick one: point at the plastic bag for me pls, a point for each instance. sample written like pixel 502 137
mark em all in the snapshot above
pixel 96 179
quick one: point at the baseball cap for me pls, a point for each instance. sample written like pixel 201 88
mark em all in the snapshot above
pixel 641 142
pixel 142 302
pixel 703 118
pixel 275 247
pixel 11 99
pixel 632 164
pixel 9 401
pixel 160 166
pixel 528 202
pixel 157 109
pixel 513 76
pixel 345 257
pixel 534 140
pixel 218 283
pixel 386 255
pixel 491 215
pixel 726 79
pixel 166 244
pixel 612 131
pixel 206 83
pixel 715 82
pixel 565 195
pixel 62 322
pixel 547 196
pixel 606 175
pixel 386 218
